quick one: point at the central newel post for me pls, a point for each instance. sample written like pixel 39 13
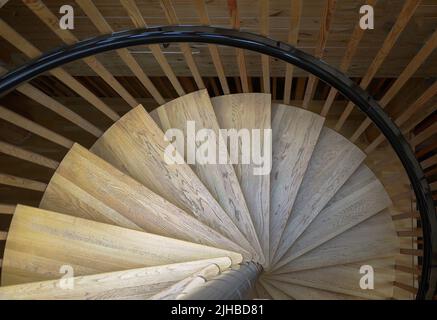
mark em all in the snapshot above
pixel 234 284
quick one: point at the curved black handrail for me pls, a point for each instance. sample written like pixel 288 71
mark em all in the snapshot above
pixel 279 50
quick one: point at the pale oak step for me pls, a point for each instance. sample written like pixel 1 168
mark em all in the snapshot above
pixel 361 197
pixel 40 242
pixel 274 292
pixel 333 161
pixel 250 111
pixel 371 239
pixel 136 145
pixel 345 279
pixel 141 283
pixel 299 292
pixel 295 134
pixel 220 179
pixel 86 186
pixel 182 287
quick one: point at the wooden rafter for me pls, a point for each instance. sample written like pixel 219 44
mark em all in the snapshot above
pixel 325 25
pixel 293 35
pixel 264 30
pixel 404 116
pixel 137 19
pixel 172 18
pixel 213 49
pixel 351 49
pixel 50 19
pixel 26 155
pixel 34 127
pixel 404 17
pixel 102 25
pixel 45 100
pixel 19 182
pixel 241 61
pixel 31 51
pixel 406 74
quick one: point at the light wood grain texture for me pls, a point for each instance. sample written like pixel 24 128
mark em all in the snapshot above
pixel 140 283
pixel 346 61
pixel 361 197
pixel 295 134
pixel 345 279
pixel 13 181
pixel 41 241
pixel 172 18
pixel 185 285
pixel 333 161
pixel 274 292
pixel 138 20
pixel 299 292
pixel 220 179
pixel 135 145
pixel 34 127
pixel 102 25
pixel 14 38
pixel 293 35
pixel 55 106
pixel 88 187
pixel 213 49
pixel 371 239
pixel 250 111
pixel 403 18
pixel 26 155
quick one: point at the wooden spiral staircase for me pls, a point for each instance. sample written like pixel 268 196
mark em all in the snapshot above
pixel 132 226
pixel 127 225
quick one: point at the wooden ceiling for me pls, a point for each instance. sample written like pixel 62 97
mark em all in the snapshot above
pixel 345 17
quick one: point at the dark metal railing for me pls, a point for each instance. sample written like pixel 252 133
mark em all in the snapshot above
pixel 282 51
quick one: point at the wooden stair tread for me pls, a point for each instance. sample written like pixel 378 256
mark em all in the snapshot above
pixel 184 286
pixel 86 186
pixel 40 242
pixel 371 239
pixel 345 279
pixel 333 161
pixel 140 283
pixel 135 145
pixel 220 179
pixel 361 197
pixel 274 292
pixel 299 292
pixel 295 134
pixel 250 111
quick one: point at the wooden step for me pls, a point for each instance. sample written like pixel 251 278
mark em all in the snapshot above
pixel 220 179
pixel 295 134
pixel 299 292
pixel 250 111
pixel 361 197
pixel 183 286
pixel 274 292
pixel 371 239
pixel 86 186
pixel 261 292
pixel 333 161
pixel 140 283
pixel 40 242
pixel 135 145
pixel 345 279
